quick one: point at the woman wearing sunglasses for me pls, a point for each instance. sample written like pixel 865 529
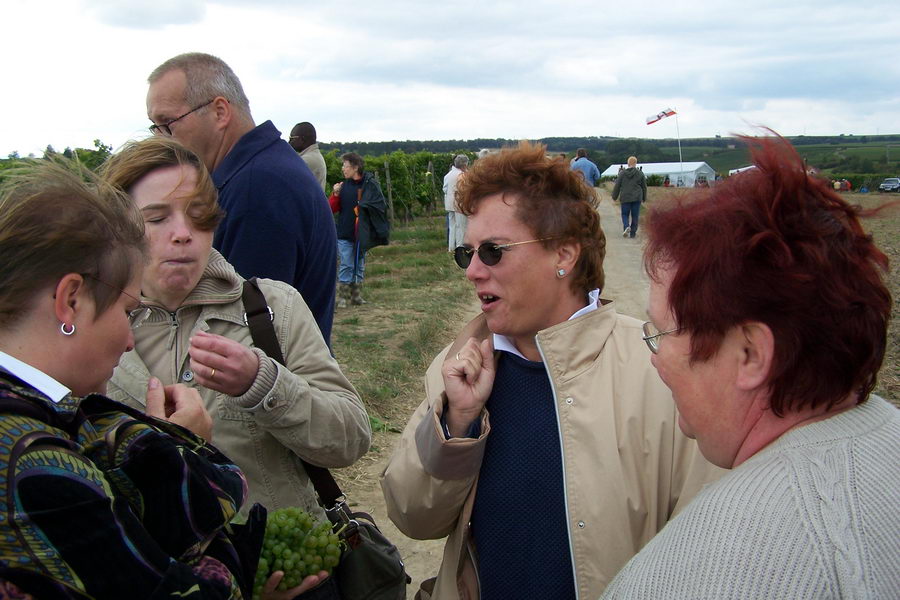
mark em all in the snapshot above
pixel 544 404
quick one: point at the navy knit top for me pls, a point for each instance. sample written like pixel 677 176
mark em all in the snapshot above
pixel 519 517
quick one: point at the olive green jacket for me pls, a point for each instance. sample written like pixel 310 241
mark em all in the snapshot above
pixel 305 409
pixel 627 467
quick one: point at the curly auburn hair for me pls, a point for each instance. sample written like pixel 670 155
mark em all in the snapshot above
pixel 778 246
pixel 551 199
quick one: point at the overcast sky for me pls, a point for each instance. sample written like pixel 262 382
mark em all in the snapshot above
pixel 75 70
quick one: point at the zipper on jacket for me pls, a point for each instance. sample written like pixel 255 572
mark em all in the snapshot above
pixel 173 333
pixel 562 453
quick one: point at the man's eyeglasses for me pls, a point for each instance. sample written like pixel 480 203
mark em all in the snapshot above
pixel 137 315
pixel 488 253
pixel 652 335
pixel 164 128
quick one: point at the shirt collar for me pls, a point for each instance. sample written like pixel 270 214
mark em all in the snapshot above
pixel 34 377
pixel 501 342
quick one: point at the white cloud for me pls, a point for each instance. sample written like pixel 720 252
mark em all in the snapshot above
pixel 397 70
pixel 146 14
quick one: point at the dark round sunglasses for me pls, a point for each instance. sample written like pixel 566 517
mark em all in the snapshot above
pixel 488 252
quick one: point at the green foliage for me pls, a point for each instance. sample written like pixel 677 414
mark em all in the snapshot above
pixel 618 151
pixel 654 180
pixel 333 172
pixel 92 159
pixel 416 180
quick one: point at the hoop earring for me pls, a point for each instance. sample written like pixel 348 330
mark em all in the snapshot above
pixel 62 328
pixel 561 273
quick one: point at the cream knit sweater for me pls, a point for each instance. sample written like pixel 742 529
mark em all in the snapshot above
pixel 814 515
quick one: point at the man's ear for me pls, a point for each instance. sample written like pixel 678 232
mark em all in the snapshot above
pixel 68 298
pixel 757 346
pixel 567 255
pixel 223 110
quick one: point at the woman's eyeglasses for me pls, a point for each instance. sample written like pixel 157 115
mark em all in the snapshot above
pixel 488 253
pixel 137 315
pixel 652 335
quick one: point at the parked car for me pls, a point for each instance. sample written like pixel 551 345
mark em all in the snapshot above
pixel 891 184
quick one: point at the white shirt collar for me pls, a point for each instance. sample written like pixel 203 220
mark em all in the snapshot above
pixel 34 377
pixel 501 342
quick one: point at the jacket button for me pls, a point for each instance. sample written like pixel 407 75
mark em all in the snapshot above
pixel 270 402
pixel 580 524
pixel 187 376
pixel 570 400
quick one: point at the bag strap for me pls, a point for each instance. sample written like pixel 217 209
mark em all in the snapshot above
pixel 258 317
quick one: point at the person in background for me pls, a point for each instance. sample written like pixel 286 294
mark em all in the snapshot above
pixel 277 223
pixel 267 416
pixel 361 224
pixel 585 167
pixel 101 501
pixel 456 221
pixel 768 320
pixel 546 448
pixel 631 191
pixel 303 140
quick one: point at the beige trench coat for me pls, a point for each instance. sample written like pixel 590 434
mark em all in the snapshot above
pixel 627 467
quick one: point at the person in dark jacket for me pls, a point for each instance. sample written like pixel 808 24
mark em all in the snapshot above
pixel 631 191
pixel 277 224
pixel 361 224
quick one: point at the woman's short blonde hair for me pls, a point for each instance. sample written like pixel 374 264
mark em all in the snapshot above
pixel 56 218
pixel 138 158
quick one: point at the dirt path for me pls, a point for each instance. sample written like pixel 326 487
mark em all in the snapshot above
pixel 626 283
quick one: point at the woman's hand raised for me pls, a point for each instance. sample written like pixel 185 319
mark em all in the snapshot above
pixel 468 380
pixel 222 364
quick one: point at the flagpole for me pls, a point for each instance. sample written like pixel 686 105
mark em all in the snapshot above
pixel 678 134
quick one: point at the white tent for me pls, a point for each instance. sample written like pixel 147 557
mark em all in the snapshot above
pixel 687 172
pixel 740 170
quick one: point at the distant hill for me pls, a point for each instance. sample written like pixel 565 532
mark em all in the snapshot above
pixel 843 153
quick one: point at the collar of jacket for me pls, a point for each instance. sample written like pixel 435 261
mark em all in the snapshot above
pixel 219 287
pixel 251 143
pixel 567 347
pixel 312 148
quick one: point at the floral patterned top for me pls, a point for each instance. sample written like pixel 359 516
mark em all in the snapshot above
pixel 102 501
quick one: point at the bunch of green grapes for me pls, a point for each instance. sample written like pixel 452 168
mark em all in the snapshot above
pixel 296 544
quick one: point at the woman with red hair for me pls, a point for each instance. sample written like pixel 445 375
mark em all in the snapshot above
pixel 768 317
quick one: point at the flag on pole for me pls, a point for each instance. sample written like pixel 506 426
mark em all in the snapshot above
pixel 659 116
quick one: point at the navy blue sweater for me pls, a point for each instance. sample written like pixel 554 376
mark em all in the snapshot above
pixel 519 517
pixel 277 220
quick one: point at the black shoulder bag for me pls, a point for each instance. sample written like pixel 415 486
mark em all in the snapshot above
pixel 371 567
